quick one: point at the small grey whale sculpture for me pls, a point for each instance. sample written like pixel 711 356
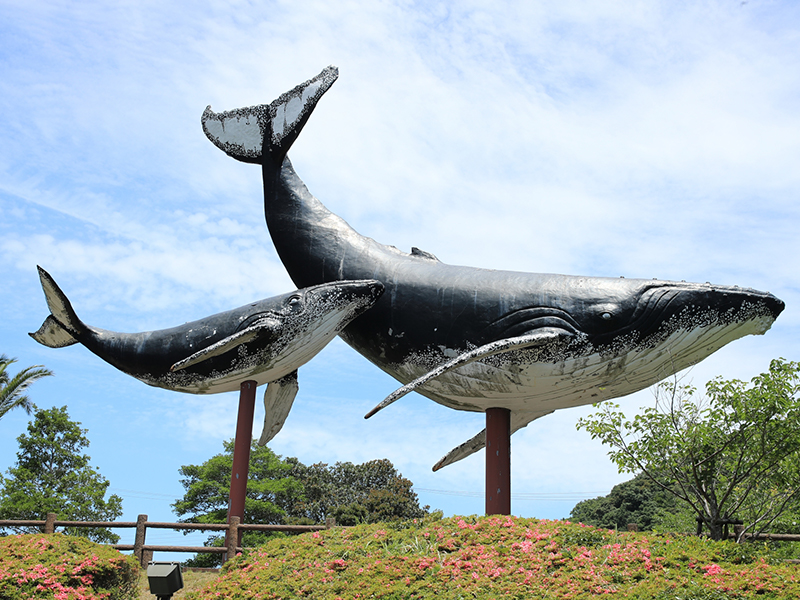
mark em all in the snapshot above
pixel 473 339
pixel 265 341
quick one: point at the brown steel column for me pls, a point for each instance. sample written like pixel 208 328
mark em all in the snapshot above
pixel 241 449
pixel 498 461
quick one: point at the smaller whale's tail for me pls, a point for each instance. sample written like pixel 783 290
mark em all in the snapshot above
pixel 62 327
pixel 255 133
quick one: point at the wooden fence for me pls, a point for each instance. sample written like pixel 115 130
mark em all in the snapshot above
pixel 144 552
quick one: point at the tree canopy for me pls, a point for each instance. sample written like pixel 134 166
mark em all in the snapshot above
pixel 370 492
pixel 732 453
pixel 639 500
pixel 289 492
pixel 12 389
pixel 271 488
pixel 53 475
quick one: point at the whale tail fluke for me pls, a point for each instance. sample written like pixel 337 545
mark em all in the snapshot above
pixel 62 327
pixel 248 134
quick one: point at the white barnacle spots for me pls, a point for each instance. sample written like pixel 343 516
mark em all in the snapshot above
pixel 310 91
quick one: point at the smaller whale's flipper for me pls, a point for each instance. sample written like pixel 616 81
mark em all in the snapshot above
pixel 62 327
pixel 246 133
pixel 278 399
pixel 478 442
pixel 471 446
pixel 540 337
pixel 267 327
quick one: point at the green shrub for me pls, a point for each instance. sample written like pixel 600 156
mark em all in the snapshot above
pixel 62 567
pixel 499 557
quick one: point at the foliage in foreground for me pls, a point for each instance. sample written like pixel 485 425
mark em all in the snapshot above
pixel 500 557
pixel 62 567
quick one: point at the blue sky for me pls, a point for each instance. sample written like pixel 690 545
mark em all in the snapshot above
pixel 644 139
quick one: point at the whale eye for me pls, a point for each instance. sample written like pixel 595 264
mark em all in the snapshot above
pixel 295 303
pixel 606 316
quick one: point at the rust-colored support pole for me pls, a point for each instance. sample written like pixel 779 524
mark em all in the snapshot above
pixel 498 461
pixel 241 449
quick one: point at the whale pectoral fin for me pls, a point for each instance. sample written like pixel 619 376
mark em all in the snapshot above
pixel 225 345
pixel 278 399
pixel 537 338
pixel 478 442
pixel 245 133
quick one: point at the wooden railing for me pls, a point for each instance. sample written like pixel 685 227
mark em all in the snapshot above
pixel 144 552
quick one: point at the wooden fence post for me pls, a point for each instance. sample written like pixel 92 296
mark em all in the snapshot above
pixel 738 529
pixel 50 523
pixel 232 537
pixel 138 541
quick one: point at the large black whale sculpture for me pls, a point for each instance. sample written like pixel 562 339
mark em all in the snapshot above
pixel 265 341
pixel 473 339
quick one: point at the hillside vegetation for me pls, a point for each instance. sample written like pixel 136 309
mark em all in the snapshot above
pixel 500 557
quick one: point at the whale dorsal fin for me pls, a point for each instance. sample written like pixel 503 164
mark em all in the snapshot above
pixel 422 254
pixel 278 399
pixel 539 337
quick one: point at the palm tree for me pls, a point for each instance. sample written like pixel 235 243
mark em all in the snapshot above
pixel 12 389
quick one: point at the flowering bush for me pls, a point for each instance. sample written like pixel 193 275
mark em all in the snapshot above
pixel 498 557
pixel 61 567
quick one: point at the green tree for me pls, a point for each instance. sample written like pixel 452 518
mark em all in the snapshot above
pixel 734 452
pixel 271 489
pixel 12 389
pixel 289 492
pixel 370 492
pixel 639 501
pixel 52 475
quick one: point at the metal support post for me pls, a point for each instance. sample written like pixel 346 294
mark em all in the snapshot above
pixel 241 449
pixel 498 461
